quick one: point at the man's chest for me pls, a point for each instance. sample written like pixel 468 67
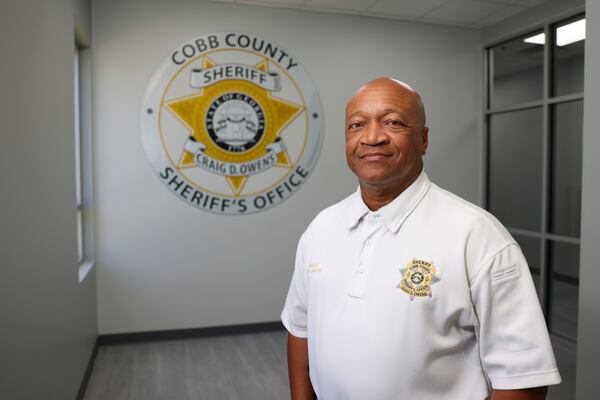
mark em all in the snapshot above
pixel 385 301
pixel 393 275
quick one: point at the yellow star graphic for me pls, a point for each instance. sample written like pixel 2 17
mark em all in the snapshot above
pixel 193 111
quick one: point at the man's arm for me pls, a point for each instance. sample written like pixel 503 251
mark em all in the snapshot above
pixel 538 393
pixel 300 386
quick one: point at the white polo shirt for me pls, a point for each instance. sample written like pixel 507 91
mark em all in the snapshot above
pixel 427 298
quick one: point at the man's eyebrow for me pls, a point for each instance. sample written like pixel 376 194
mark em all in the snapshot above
pixel 385 111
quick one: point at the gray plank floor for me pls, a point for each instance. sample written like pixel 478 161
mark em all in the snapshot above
pixel 249 367
pixel 244 367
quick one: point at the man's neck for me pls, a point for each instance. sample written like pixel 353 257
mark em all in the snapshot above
pixel 376 196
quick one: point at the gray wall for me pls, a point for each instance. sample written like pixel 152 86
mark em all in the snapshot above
pixel 165 265
pixel 48 319
pixel 588 349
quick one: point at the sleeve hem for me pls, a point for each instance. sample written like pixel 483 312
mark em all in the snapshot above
pixel 301 333
pixel 545 378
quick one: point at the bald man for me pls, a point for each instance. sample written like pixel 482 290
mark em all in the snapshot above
pixel 404 290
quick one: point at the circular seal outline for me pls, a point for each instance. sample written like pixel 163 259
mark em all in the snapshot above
pixel 218 203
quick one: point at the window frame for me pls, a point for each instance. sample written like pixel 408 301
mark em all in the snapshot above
pixel 547 103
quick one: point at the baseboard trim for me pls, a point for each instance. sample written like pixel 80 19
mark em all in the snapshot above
pixel 88 372
pixel 152 336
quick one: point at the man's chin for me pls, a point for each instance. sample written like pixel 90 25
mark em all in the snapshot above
pixel 375 180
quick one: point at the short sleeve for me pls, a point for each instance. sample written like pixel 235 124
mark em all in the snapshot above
pixel 294 310
pixel 514 344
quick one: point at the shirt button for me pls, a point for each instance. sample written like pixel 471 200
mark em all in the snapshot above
pixel 368 242
pixel 361 269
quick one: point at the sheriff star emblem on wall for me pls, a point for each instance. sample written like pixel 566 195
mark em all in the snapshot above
pixel 234 124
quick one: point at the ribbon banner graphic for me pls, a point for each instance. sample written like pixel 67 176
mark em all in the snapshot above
pixel 270 81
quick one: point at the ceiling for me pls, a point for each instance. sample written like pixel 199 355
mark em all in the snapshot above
pixel 468 13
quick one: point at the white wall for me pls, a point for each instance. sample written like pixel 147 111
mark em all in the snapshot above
pixel 588 349
pixel 47 318
pixel 165 265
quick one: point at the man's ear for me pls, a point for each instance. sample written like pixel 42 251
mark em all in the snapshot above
pixel 424 140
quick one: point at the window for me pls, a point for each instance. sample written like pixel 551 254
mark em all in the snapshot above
pixel 534 117
pixel 77 121
pixel 83 159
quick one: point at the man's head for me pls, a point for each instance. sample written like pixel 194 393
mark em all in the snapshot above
pixel 386 136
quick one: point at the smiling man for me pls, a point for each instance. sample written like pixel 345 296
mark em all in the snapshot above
pixel 404 290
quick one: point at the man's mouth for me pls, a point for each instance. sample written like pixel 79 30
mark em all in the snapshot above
pixel 373 156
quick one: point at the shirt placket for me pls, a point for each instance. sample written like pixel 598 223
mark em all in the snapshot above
pixel 372 229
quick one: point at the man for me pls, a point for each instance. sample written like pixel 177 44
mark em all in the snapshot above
pixel 405 291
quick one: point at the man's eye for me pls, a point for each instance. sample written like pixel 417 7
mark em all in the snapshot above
pixel 354 125
pixel 395 122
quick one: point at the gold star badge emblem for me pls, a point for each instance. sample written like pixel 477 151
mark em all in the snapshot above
pixel 235 127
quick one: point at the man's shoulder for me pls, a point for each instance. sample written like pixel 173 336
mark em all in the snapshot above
pixel 456 210
pixel 332 216
pixel 455 203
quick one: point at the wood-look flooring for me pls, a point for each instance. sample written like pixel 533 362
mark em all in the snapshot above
pixel 249 367
pixel 237 367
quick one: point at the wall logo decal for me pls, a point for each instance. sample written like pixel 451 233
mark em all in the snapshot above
pixel 232 123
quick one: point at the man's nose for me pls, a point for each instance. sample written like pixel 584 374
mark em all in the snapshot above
pixel 374 135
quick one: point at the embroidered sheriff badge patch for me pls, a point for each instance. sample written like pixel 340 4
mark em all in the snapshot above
pixel 417 278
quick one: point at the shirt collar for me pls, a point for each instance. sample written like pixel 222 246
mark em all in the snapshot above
pixel 393 214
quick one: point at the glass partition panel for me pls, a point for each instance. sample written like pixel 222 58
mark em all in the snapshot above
pixel 565 218
pixel 517 71
pixel 515 168
pixel 568 46
pixel 564 261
